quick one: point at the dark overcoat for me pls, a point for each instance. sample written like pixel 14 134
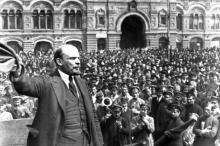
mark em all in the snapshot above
pixel 49 121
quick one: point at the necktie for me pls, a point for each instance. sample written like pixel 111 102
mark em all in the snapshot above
pixel 72 87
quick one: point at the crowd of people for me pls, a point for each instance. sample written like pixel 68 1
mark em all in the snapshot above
pixel 143 97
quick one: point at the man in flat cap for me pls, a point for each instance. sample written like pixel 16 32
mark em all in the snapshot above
pixel 163 114
pixel 115 129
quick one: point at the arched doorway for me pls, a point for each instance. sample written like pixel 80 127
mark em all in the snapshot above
pixel 196 43
pixel 215 42
pixel 15 45
pixel 101 43
pixel 163 43
pixel 77 44
pixel 133 33
pixel 43 47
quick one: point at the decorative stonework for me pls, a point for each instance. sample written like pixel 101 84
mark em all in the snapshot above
pixel 173 22
pixel 111 22
pixel 120 9
pixel 90 22
pixel 145 9
pixel 58 19
pixel 27 19
pixel 57 4
pixel 186 24
pixel 132 6
pixel 154 22
pixel 72 6
pixel 27 26
pixel 26 2
pixel 186 5
pixel 11 5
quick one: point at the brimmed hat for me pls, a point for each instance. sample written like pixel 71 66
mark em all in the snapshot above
pixel 168 93
pixel 176 106
pixel 16 97
pixel 99 94
pixel 116 107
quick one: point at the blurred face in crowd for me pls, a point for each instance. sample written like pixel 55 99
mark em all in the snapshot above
pixel 1 90
pixel 124 90
pixel 209 94
pixel 116 113
pixel 143 110
pixel 177 87
pixel 114 91
pixel 215 79
pixel 135 93
pixel 178 80
pixel 124 106
pixel 70 61
pixel 192 85
pixel 17 101
pixel 94 90
pixel 215 104
pixel 8 90
pixel 175 113
pixel 208 110
pixel 168 98
pixel 190 100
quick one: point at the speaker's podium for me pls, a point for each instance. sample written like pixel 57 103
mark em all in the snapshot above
pixel 14 132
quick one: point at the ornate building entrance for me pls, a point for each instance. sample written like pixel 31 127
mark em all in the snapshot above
pixel 133 33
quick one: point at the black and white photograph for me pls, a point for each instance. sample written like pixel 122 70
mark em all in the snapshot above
pixel 109 72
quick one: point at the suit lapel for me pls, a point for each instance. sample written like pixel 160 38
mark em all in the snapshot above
pixel 86 97
pixel 59 89
pixel 82 87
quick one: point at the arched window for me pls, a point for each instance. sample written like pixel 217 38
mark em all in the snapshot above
pixel 11 19
pixel 43 47
pixel 72 19
pixel 15 45
pixel 42 19
pixel 100 18
pixel 78 19
pixel 77 44
pixel 195 21
pixel 179 21
pixel 49 19
pixel 162 18
pixel 66 19
pixel 36 19
pixel 196 43
pixel 217 21
pixel 213 22
pixel 5 19
pixel 201 21
pixel 19 19
pixel 191 19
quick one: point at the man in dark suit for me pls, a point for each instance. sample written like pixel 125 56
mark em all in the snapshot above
pixel 65 114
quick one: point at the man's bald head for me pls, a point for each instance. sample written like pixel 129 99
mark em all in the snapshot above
pixel 67 58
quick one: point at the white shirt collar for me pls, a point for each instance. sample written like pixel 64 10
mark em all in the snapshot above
pixel 65 77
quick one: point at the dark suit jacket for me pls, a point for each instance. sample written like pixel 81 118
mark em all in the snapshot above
pixel 49 121
pixel 171 137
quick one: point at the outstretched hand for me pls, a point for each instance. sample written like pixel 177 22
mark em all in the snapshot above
pixel 194 116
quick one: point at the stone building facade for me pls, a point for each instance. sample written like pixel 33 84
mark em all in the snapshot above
pixel 109 24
